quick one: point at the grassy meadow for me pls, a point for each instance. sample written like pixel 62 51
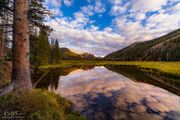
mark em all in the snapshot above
pixel 168 68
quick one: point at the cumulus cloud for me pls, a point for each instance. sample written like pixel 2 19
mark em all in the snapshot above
pixel 108 29
pixel 147 5
pixel 163 21
pixel 53 3
pixel 93 28
pixel 132 31
pixel 68 2
pixel 90 40
pixel 156 25
pixel 55 6
pixel 89 10
pixel 115 2
pixel 80 21
pixel 118 10
pixel 98 8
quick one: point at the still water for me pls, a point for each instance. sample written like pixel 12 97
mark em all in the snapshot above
pixel 108 93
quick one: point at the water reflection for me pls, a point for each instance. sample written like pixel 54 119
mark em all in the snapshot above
pixel 169 83
pixel 101 94
pixel 48 79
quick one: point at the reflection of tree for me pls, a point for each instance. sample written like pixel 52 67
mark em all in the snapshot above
pixel 87 67
pixel 53 83
pixel 51 79
pixel 140 76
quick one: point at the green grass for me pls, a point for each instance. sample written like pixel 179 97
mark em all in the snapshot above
pixel 169 68
pixel 38 105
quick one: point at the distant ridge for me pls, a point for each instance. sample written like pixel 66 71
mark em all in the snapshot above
pixel 165 48
pixel 67 54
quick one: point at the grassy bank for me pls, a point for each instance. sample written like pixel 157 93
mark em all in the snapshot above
pixel 37 105
pixel 168 68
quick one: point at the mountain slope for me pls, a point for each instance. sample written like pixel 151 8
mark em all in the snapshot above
pixel 88 56
pixel 165 48
pixel 67 54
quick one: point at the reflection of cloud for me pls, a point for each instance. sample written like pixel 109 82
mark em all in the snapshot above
pixel 99 87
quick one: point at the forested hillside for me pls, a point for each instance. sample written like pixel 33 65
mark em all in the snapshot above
pixel 165 48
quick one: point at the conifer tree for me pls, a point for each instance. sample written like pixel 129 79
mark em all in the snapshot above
pixel 56 53
pixel 42 49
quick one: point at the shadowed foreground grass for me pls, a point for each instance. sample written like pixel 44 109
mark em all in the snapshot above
pixel 37 105
pixel 167 68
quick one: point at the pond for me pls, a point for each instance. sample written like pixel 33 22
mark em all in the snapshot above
pixel 115 92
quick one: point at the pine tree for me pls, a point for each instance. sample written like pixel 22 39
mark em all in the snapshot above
pixel 41 49
pixel 55 53
pixel 33 49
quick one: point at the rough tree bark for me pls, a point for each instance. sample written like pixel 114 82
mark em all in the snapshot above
pixel 21 71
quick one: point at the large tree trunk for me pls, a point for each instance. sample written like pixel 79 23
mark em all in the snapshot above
pixel 21 71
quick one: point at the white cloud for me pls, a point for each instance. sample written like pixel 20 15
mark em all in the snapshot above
pixel 156 25
pixel 164 21
pixel 53 3
pixel 117 10
pixel 99 7
pixel 115 2
pixel 81 20
pixel 68 2
pixel 55 6
pixel 147 5
pixel 108 29
pixel 91 40
pixel 93 28
pixel 174 10
pixel 89 10
pixel 133 31
pixel 140 16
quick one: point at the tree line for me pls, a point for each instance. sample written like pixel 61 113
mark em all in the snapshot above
pixel 43 51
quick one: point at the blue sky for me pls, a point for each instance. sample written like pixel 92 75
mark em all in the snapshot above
pixel 104 26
